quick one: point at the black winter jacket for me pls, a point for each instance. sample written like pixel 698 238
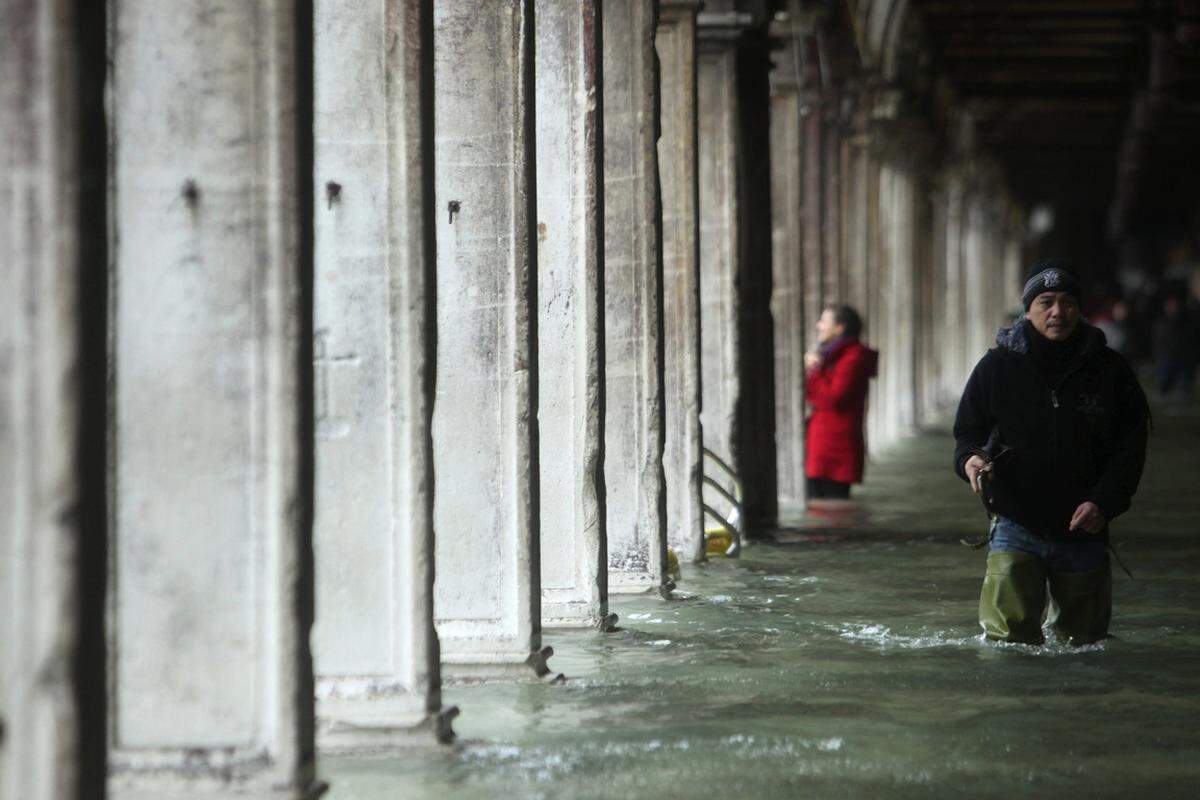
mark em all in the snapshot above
pixel 1054 446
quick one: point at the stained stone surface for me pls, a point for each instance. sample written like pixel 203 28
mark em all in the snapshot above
pixel 633 469
pixel 487 595
pixel 787 290
pixel 675 43
pixel 570 315
pixel 39 406
pixel 208 642
pixel 719 249
pixel 375 648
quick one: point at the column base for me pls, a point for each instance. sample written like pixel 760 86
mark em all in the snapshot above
pixel 625 583
pixel 495 667
pixel 168 787
pixel 355 728
pixel 603 624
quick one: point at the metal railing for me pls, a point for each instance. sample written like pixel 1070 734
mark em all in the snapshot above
pixel 731 521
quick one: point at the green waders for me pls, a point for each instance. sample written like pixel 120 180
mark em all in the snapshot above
pixel 1013 600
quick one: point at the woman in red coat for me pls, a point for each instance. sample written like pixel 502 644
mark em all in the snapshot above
pixel 836 385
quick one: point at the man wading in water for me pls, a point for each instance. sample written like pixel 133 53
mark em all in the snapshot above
pixel 1052 428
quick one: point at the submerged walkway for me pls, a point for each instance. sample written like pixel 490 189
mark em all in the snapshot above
pixel 849 664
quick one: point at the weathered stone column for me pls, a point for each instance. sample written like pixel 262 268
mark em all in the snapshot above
pixel 978 329
pixel 633 431
pixel 211 590
pixel 899 337
pixel 955 346
pixel 813 210
pixel 754 436
pixel 570 316
pixel 720 229
pixel 675 41
pixel 831 155
pixel 787 269
pixel 376 651
pixel 52 384
pixel 488 586
pixel 925 376
pixel 859 182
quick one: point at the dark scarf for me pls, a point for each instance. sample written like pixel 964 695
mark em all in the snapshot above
pixel 1054 359
pixel 832 346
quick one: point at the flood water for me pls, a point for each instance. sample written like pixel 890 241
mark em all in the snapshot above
pixel 848 663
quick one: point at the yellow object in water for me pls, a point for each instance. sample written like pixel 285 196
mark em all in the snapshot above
pixel 716 542
pixel 672 565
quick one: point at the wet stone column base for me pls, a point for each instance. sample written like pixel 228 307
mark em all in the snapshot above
pixel 633 469
pixel 375 647
pixel 487 596
pixel 574 578
pixel 675 41
pixel 210 674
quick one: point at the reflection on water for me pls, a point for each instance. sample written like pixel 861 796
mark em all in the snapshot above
pixel 848 663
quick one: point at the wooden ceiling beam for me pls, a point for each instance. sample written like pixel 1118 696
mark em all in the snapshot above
pixel 1021 52
pixel 1043 89
pixel 1036 72
pixel 1064 8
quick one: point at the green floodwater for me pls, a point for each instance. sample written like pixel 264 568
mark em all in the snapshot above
pixel 849 664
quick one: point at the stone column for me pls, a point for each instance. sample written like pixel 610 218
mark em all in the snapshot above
pixel 925 238
pixel 210 540
pixel 955 347
pixel 487 596
pixel 634 434
pixel 675 42
pixel 858 180
pixel 787 270
pixel 570 318
pixel 720 246
pixel 831 143
pixel 52 383
pixel 814 211
pixel 754 437
pixel 978 322
pixel 939 297
pixel 376 651
pixel 900 339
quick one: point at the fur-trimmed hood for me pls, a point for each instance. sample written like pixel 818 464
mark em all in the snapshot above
pixel 1015 338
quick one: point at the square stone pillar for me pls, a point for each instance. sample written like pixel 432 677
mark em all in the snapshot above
pixel 955 346
pixel 675 42
pixel 787 272
pixel 906 279
pixel 858 185
pixel 979 331
pixel 375 648
pixel 210 540
pixel 487 593
pixel 831 156
pixel 720 244
pixel 633 433
pixel 813 211
pixel 570 315
pixel 52 415
pixel 898 334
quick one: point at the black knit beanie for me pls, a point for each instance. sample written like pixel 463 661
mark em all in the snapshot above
pixel 1051 275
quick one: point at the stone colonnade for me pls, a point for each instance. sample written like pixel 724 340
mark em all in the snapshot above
pixel 402 328
pixel 928 250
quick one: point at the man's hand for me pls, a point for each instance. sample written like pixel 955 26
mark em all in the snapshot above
pixel 811 360
pixel 974 466
pixel 1088 517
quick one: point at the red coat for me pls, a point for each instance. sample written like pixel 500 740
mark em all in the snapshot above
pixel 835 447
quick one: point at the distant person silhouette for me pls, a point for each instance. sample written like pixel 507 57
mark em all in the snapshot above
pixel 836 383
